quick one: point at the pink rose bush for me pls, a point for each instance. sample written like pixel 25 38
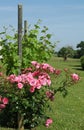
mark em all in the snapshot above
pixel 29 92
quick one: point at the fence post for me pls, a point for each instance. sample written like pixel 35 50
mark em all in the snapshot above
pixel 25 27
pixel 20 34
pixel 20 117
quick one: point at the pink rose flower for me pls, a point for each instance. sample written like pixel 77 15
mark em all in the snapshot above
pixel 43 81
pixel 18 79
pixel 50 95
pixel 5 100
pixel 57 72
pixel 0 98
pixel 38 84
pixel 48 122
pixel 32 82
pixel 11 78
pixel 34 63
pixel 32 89
pixel 45 66
pixel 20 85
pixel 75 77
pixel 2 106
pixel 48 82
pixel 1 73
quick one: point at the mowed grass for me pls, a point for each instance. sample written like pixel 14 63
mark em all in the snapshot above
pixel 67 113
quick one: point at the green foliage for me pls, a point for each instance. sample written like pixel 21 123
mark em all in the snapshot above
pixel 82 62
pixel 9 52
pixel 36 45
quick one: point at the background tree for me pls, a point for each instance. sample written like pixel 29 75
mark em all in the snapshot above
pixel 82 62
pixel 66 52
pixel 80 50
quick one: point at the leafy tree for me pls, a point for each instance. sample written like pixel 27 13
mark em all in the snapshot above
pixel 80 50
pixel 66 52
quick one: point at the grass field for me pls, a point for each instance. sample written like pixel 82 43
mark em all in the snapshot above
pixel 67 113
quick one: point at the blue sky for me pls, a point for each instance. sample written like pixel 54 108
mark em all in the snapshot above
pixel 64 18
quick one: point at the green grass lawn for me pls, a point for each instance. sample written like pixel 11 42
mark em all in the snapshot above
pixel 67 113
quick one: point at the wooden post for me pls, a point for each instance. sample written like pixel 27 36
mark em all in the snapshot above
pixel 25 27
pixel 20 122
pixel 20 116
pixel 20 34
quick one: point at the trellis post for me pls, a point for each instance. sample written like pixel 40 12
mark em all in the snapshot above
pixel 25 27
pixel 20 117
pixel 20 34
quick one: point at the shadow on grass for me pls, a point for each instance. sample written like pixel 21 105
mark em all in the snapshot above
pixel 77 67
